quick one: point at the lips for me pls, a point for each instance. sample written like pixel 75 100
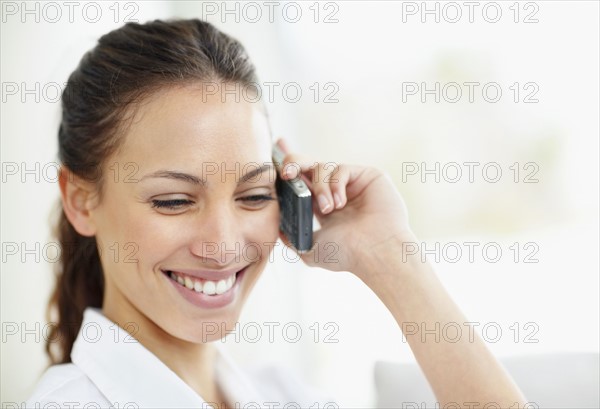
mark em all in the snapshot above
pixel 205 293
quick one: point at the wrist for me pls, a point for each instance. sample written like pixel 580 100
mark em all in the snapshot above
pixel 405 284
pixel 390 259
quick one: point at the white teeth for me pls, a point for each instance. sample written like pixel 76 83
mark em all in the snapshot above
pixel 209 288
pixel 221 287
pixel 198 286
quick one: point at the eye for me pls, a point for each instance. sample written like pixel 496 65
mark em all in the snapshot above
pixel 256 200
pixel 172 204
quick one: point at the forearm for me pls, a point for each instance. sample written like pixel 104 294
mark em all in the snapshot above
pixel 459 370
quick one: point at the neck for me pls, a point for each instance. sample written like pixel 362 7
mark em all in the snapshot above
pixel 193 362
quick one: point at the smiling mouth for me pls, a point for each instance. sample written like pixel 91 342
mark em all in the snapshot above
pixel 203 286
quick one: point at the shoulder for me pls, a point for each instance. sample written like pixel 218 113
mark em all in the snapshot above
pixel 65 383
pixel 288 387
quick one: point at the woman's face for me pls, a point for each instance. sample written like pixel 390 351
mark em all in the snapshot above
pixel 184 230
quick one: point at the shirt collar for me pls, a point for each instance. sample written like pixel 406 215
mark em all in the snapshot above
pixel 126 372
pixel 237 388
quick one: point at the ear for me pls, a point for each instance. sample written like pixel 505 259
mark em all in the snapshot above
pixel 77 196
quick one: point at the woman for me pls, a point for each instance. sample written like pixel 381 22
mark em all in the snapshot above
pixel 158 200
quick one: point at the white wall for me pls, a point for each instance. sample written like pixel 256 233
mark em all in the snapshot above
pixel 369 53
pixel 41 55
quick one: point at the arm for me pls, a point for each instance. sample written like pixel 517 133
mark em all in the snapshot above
pixel 460 372
pixel 369 224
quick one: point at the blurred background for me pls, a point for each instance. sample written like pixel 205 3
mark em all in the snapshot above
pixel 424 90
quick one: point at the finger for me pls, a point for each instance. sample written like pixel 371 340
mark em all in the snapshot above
pixel 287 171
pixel 283 145
pixel 345 182
pixel 294 165
pixel 321 185
pixel 338 179
pixel 327 197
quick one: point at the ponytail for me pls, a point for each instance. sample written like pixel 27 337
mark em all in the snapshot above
pixel 79 284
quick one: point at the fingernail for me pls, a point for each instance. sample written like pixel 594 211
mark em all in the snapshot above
pixel 338 200
pixel 323 203
pixel 289 171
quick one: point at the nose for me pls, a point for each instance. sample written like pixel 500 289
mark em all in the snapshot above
pixel 218 236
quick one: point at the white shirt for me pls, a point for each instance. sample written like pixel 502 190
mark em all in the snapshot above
pixel 111 369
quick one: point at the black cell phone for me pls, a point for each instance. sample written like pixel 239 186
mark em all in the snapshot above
pixel 295 204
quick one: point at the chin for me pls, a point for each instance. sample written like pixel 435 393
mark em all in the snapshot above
pixel 207 316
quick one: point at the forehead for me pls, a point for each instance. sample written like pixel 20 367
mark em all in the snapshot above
pixel 184 123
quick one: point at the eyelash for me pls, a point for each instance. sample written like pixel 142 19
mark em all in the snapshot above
pixel 170 204
pixel 175 203
pixel 258 198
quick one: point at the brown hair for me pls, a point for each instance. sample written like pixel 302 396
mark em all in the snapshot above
pixel 126 65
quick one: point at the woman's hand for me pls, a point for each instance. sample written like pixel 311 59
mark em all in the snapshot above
pixel 364 232
pixel 359 210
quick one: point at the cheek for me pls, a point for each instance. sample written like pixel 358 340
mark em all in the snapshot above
pixel 130 235
pixel 259 231
pixel 114 230
pixel 260 240
pixel 265 227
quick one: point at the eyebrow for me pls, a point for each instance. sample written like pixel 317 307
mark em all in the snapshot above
pixel 170 174
pixel 254 172
pixel 186 177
